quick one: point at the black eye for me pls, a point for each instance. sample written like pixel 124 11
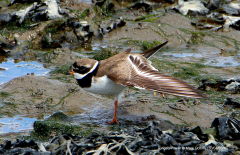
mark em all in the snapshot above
pixel 82 68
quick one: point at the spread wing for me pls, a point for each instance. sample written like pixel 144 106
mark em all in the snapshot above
pixel 140 74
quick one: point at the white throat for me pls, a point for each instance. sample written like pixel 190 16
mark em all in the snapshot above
pixel 80 76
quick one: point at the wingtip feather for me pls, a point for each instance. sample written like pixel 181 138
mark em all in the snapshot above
pixel 147 54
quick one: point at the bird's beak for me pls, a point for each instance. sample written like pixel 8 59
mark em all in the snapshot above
pixel 70 72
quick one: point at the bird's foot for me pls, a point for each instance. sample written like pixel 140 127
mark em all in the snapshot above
pixel 114 121
pixel 162 95
pixel 154 93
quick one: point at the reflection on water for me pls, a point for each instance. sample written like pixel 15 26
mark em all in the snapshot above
pixel 86 1
pixel 16 124
pixel 211 57
pixel 13 68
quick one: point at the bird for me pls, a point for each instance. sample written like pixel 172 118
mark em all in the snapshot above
pixel 112 75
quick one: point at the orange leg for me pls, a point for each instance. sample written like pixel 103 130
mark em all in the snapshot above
pixel 115 114
pixel 162 95
pixel 154 93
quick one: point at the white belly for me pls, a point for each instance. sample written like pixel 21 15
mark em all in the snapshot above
pixel 105 86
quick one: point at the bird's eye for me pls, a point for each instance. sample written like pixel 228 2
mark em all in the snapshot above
pixel 82 68
pixel 75 70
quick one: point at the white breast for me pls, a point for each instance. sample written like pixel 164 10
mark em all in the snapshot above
pixel 104 86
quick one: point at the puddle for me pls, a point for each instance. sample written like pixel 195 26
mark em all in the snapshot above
pixel 16 124
pixel 211 56
pixel 86 1
pixel 223 62
pixel 12 69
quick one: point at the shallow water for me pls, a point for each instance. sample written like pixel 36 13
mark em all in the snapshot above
pixel 11 69
pixel 211 57
pixel 86 1
pixel 16 124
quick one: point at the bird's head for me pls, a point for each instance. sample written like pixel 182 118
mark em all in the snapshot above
pixel 82 67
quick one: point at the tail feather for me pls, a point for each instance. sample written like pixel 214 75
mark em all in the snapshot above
pixel 147 54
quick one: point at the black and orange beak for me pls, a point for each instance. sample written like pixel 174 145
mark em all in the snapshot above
pixel 70 72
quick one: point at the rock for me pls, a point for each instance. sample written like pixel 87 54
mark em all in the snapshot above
pixel 58 116
pixel 232 8
pixel 48 42
pixel 81 30
pixel 6 42
pixel 220 85
pixel 184 101
pixel 232 102
pixel 5 18
pixel 234 87
pixel 51 128
pixel 3 3
pixel 3 52
pixel 100 3
pixel 20 49
pixel 213 4
pixel 227 128
pixel 231 21
pixel 82 35
pixel 23 1
pixel 170 1
pixel 62 56
pixel 77 24
pixel 199 132
pixel 196 102
pixel 70 37
pixel 110 26
pixel 53 9
pixel 47 10
pixel 237 143
pixel 191 8
pixel 142 5
pixel 14 47
pixel 20 15
pixel 211 22
pixel 215 146
pixel 21 147
pixel 37 12
pixel 147 118
pixel 30 55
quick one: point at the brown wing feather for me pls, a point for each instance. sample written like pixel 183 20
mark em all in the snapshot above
pixel 144 76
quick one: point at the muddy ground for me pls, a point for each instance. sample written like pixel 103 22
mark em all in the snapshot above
pixel 42 96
